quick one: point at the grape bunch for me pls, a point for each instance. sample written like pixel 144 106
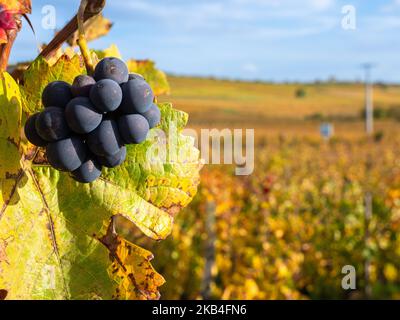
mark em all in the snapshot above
pixel 87 126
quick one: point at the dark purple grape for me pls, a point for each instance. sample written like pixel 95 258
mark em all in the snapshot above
pixel 105 139
pixel 114 160
pixel 106 95
pixel 82 85
pixel 88 172
pixel 133 128
pixel 153 116
pixel 137 97
pixel 31 133
pixel 51 124
pixel 133 76
pixel 67 154
pixel 56 94
pixel 111 68
pixel 82 117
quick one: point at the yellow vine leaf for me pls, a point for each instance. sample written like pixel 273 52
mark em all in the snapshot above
pixel 55 238
pixel 155 77
pixel 95 28
pixel 147 68
pixel 111 51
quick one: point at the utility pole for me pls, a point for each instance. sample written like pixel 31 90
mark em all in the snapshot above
pixel 368 198
pixel 369 107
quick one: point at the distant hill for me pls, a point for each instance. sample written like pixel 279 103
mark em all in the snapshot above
pixel 235 103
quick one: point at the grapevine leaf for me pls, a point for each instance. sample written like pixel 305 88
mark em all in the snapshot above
pixel 10 120
pixel 95 28
pixel 137 280
pixel 3 36
pixel 16 6
pixel 156 78
pixel 8 10
pixel 111 51
pixel 40 73
pixel 57 238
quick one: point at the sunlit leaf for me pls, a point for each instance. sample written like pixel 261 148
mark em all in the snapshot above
pixel 155 77
pixel 95 28
pixel 57 237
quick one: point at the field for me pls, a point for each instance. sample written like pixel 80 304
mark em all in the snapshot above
pixel 287 230
pixel 275 108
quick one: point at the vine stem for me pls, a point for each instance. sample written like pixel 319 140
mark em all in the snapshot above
pixel 93 8
pixel 82 43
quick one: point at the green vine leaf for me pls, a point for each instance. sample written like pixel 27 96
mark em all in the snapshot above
pixel 57 237
pixel 40 73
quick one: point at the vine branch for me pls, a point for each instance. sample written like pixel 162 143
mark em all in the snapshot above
pixel 88 9
pixel 91 9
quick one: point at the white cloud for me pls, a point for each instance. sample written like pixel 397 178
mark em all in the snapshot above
pixel 256 18
pixel 307 4
pixel 250 68
pixel 392 6
pixel 322 4
pixel 381 23
pixel 233 9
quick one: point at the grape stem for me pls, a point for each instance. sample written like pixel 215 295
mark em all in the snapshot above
pixel 82 43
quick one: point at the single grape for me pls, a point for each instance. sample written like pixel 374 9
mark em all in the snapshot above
pixel 137 97
pixel 133 128
pixel 88 172
pixel 31 133
pixel 106 95
pixel 82 85
pixel 82 117
pixel 111 68
pixel 51 124
pixel 105 139
pixel 56 94
pixel 133 76
pixel 114 160
pixel 153 116
pixel 67 154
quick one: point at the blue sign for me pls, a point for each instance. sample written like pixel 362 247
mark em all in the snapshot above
pixel 326 130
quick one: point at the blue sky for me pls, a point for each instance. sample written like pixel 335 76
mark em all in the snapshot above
pixel 278 40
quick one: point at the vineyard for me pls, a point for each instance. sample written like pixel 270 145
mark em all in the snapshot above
pixel 105 196
pixel 286 231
